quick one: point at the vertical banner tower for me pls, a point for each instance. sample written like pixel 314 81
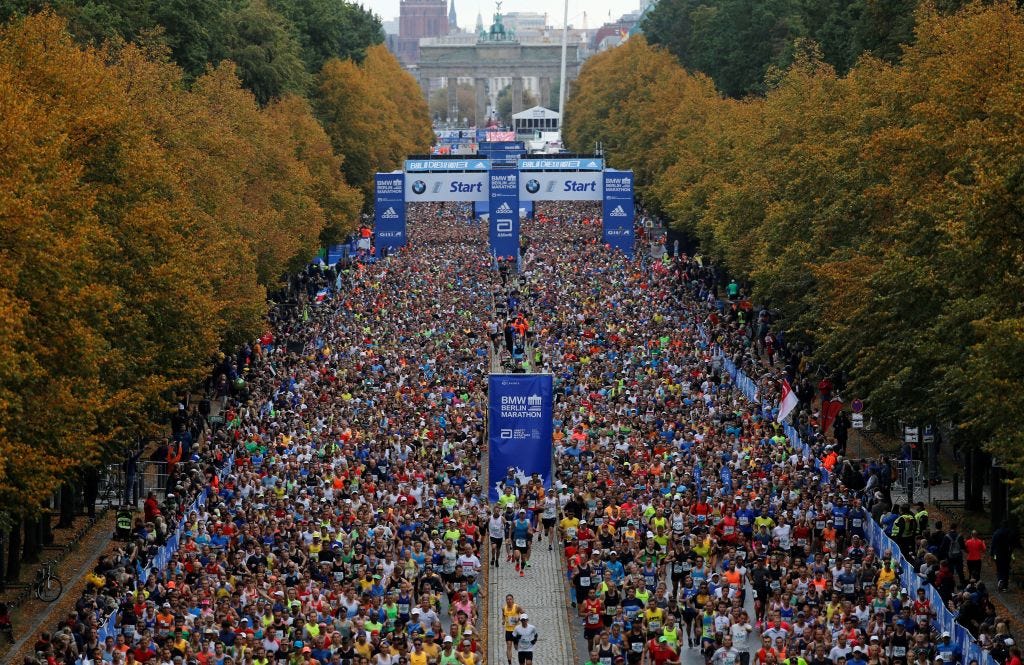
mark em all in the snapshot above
pixel 520 426
pixel 504 212
pixel 389 210
pixel 619 211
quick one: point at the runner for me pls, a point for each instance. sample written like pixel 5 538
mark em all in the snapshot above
pixel 525 637
pixel 510 613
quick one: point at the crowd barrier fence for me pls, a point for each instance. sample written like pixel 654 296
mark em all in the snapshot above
pixel 945 620
pixel 109 628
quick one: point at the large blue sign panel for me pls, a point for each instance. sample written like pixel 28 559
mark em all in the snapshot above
pixel 389 210
pixel 619 211
pixel 469 186
pixel 561 186
pixel 504 212
pixel 519 427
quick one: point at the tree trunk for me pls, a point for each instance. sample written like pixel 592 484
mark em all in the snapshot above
pixel 998 503
pixel 14 552
pixel 68 493
pixel 92 490
pixel 46 528
pixel 32 548
pixel 3 559
pixel 974 495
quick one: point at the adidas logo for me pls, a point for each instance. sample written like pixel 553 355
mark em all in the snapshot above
pixel 617 211
pixel 592 165
pixel 391 214
pixel 506 209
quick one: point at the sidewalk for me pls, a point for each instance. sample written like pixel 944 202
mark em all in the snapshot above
pixel 943 508
pixel 35 616
pixel 542 594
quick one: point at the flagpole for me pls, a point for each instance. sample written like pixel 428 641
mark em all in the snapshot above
pixel 561 77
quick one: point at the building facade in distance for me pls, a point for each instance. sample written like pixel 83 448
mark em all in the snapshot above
pixel 418 19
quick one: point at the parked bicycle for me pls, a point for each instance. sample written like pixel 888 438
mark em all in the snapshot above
pixel 47 587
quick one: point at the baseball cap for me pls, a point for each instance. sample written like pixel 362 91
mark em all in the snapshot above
pixel 523 617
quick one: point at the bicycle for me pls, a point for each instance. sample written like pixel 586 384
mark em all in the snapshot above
pixel 47 587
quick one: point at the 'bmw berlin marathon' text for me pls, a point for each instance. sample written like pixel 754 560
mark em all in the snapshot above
pixel 522 406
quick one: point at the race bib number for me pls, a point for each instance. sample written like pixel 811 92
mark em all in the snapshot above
pixel 520 542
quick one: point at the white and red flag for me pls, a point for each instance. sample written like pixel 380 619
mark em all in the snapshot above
pixel 788 403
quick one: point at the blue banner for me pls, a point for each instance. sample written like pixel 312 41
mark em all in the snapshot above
pixel 508 146
pixel 389 210
pixel 561 163
pixel 519 427
pixel 446 165
pixel 502 151
pixel 504 212
pixel 619 211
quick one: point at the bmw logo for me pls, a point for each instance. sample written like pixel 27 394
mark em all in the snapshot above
pixel 532 186
pixel 419 187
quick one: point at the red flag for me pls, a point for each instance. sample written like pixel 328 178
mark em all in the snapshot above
pixel 829 410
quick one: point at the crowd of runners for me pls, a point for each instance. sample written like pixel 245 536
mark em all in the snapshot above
pixel 345 520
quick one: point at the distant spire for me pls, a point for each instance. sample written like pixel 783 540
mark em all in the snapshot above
pixel 479 22
pixel 453 22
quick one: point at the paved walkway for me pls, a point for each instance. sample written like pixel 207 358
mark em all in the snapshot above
pixel 687 655
pixel 542 594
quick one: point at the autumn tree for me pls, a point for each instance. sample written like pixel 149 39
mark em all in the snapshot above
pixel 877 209
pixel 141 221
pixel 374 113
pixel 107 309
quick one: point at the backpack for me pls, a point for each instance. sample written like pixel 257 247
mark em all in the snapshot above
pixel 954 545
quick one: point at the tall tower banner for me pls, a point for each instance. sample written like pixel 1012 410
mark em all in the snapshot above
pixel 504 212
pixel 519 428
pixel 389 210
pixel 619 211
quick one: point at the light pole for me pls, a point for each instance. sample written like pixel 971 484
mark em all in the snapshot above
pixel 561 77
